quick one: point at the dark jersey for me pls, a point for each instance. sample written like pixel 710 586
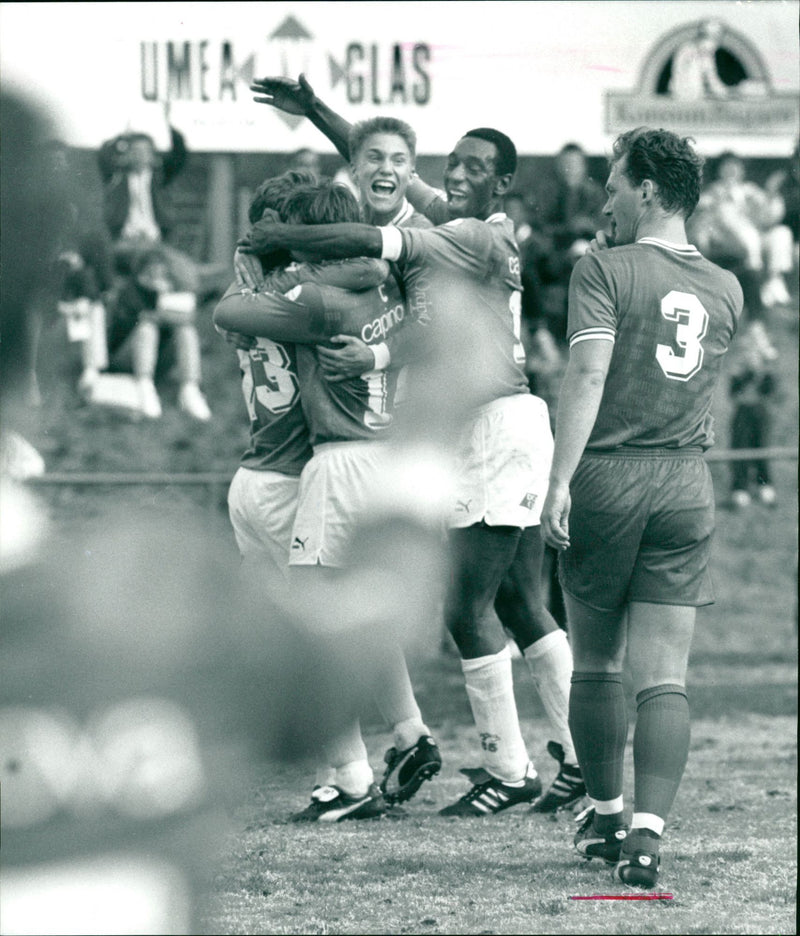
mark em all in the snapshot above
pixel 671 315
pixel 464 276
pixel 361 407
pixel 279 438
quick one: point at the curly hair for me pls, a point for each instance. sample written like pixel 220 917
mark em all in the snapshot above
pixel 366 128
pixel 668 160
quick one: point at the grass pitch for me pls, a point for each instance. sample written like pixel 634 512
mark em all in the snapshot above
pixel 729 858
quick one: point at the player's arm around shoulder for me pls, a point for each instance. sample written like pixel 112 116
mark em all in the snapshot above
pixel 356 274
pixel 299 316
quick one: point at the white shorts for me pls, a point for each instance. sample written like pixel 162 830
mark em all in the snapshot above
pixel 338 493
pixel 503 464
pixel 262 506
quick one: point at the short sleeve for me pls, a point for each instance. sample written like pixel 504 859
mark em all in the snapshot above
pixel 592 309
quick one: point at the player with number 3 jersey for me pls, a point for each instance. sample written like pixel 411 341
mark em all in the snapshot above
pixel 630 502
pixel 670 314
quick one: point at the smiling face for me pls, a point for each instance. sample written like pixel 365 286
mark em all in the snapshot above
pixel 473 188
pixel 382 169
pixel 624 205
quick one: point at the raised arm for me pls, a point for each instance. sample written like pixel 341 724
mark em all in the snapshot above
pixel 322 241
pixel 428 201
pixel 297 97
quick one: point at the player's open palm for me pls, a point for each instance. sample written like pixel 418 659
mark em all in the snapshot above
pixel 293 97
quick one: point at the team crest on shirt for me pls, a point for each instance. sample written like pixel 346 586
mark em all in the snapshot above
pixel 529 500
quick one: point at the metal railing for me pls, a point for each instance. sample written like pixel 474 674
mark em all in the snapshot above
pixel 219 478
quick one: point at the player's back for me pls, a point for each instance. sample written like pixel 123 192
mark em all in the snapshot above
pixel 279 438
pixel 672 314
pixel 279 435
pixel 360 408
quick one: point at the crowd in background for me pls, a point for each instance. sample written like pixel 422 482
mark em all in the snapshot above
pixel 129 298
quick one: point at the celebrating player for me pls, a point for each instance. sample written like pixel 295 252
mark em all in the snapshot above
pixel 630 502
pixel 336 483
pixel 480 355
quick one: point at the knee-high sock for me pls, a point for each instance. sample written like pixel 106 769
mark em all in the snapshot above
pixel 550 662
pixel 598 720
pixel 660 747
pixel 396 701
pixel 490 688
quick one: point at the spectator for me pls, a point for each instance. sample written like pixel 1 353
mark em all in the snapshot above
pixel 570 213
pixel 306 158
pixel 739 226
pixel 519 211
pixel 83 273
pixel 752 388
pixel 786 183
pixel 151 308
pixel 137 210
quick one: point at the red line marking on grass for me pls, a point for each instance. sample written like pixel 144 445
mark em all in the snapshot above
pixel 625 897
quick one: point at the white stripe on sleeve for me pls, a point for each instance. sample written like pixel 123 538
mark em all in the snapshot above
pixel 597 333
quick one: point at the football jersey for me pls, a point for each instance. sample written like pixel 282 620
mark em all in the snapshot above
pixel 278 432
pixel 671 315
pixel 464 276
pixel 362 407
pixel 279 439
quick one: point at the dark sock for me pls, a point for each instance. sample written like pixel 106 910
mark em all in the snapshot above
pixel 598 721
pixel 660 747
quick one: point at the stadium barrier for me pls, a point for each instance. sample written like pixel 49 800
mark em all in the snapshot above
pixel 215 479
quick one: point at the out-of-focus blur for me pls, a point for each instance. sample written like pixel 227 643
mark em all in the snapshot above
pixel 144 671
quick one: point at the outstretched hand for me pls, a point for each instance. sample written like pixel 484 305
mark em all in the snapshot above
pixel 292 97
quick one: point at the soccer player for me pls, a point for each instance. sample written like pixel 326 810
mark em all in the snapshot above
pixel 630 502
pixel 463 280
pixel 263 495
pixel 335 486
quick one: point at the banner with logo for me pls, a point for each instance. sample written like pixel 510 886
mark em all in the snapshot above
pixel 544 72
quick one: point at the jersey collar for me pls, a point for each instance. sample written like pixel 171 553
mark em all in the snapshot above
pixel 405 212
pixel 497 216
pixel 685 250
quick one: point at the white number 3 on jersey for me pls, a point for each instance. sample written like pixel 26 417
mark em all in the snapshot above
pixel 691 319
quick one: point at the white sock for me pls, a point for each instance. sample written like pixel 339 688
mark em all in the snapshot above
pixel 325 776
pixel 490 689
pixel 355 778
pixel 396 700
pixel 408 732
pixel 347 755
pixel 549 660
pixel 607 807
pixel 646 820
